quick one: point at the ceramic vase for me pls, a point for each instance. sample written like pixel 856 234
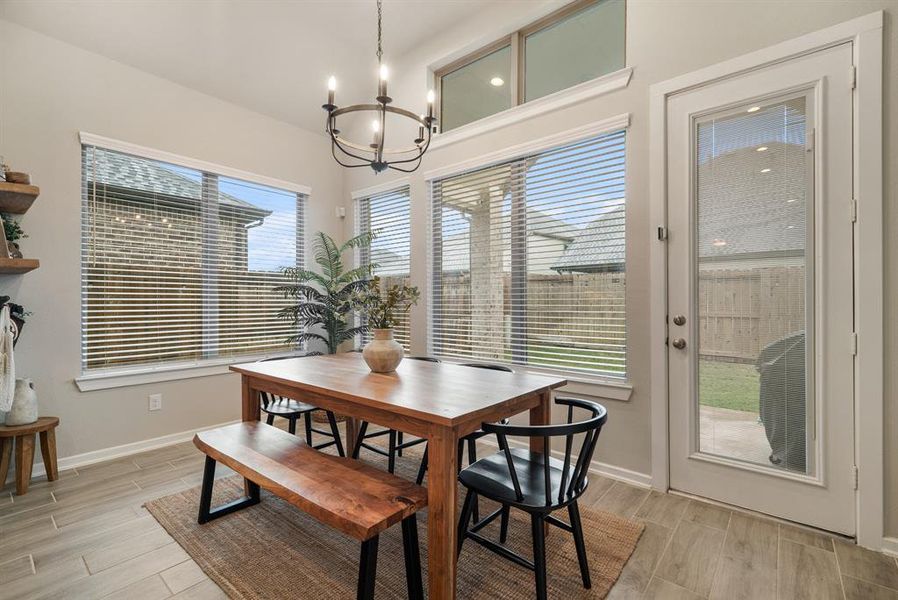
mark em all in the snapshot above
pixel 383 354
pixel 24 404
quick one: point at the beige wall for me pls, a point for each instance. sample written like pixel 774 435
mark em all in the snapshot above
pixel 664 39
pixel 49 91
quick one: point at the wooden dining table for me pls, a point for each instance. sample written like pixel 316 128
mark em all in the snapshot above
pixel 442 402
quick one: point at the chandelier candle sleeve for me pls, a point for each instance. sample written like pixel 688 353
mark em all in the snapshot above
pixel 382 84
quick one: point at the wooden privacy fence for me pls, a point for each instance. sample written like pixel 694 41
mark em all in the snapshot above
pixel 741 310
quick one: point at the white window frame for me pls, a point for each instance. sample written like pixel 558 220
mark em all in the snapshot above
pixel 142 374
pixel 520 111
pixel 579 384
pixel 359 195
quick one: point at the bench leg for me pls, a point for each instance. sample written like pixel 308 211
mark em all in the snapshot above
pixel 412 558
pixel 207 513
pixel 367 569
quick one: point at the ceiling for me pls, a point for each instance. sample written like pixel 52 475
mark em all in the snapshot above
pixel 271 56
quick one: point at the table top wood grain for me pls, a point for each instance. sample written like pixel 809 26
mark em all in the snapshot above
pixel 439 393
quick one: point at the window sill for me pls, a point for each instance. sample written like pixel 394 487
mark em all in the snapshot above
pixel 593 387
pixel 104 380
pixel 579 93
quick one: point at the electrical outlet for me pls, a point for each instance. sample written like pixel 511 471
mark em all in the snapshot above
pixel 155 401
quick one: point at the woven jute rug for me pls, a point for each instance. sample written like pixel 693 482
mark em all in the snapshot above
pixel 274 551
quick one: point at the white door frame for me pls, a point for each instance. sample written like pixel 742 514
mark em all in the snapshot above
pixel 865 33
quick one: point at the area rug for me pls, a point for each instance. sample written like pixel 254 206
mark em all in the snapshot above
pixel 274 551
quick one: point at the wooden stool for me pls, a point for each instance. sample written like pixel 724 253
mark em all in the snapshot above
pixel 24 437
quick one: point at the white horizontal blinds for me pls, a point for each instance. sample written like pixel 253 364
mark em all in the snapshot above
pixel 387 214
pixel 178 265
pixel 528 260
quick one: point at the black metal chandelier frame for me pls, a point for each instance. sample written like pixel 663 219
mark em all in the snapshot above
pixel 375 155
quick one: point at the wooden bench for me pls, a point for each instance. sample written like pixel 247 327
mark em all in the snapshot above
pixel 346 494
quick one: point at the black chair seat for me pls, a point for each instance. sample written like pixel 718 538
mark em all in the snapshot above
pixel 491 478
pixel 286 406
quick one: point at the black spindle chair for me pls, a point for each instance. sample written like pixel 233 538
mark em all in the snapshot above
pixel 293 410
pixel 518 478
pixel 395 440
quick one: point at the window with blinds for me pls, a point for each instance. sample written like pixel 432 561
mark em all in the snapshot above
pixel 178 265
pixel 387 214
pixel 528 260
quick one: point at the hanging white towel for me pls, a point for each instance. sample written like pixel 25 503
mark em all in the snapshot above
pixel 7 364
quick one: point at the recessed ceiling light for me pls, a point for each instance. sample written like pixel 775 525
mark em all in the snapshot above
pixel 791 227
pixel 765 170
pixel 719 243
pixel 497 81
pixel 761 148
pixel 754 109
pixel 791 200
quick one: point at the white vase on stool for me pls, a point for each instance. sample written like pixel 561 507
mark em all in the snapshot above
pixel 24 404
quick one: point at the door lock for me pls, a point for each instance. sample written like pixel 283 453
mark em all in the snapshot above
pixel 679 320
pixel 679 343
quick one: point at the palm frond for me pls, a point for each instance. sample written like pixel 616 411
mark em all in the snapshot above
pixel 359 241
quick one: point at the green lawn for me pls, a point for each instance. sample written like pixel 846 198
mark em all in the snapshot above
pixel 728 385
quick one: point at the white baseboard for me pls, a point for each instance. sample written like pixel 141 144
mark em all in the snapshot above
pixel 643 480
pixel 95 456
pixel 890 545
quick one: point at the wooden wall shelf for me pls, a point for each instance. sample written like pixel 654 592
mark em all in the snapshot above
pixel 17 266
pixel 16 198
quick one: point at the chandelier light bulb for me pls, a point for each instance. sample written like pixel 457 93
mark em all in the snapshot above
pixel 375 125
pixel 430 97
pixel 332 84
pixel 384 72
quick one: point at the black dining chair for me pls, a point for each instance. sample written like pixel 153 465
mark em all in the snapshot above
pixel 469 440
pixel 519 478
pixel 395 440
pixel 293 410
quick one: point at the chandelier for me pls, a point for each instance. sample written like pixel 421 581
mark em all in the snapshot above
pixel 375 155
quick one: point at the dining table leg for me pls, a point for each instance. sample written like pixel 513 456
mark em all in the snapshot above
pixel 250 411
pixel 352 433
pixel 541 414
pixel 442 475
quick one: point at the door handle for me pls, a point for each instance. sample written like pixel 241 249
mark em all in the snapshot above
pixel 679 343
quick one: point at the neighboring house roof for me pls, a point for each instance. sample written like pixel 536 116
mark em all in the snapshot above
pixel 457 246
pixel 744 213
pixel 600 246
pixel 133 173
pixel 389 262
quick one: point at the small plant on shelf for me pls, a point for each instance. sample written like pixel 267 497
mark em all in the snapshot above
pixel 13 232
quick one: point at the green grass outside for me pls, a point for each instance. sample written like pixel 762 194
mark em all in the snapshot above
pixel 728 385
pixel 722 384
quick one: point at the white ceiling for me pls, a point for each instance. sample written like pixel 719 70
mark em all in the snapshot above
pixel 271 56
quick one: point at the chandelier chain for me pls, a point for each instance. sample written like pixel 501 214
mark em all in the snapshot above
pixel 380 50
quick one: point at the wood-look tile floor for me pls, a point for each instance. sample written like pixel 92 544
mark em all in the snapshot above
pixel 88 536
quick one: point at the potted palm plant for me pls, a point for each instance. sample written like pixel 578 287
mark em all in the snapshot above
pixel 325 302
pixel 381 307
